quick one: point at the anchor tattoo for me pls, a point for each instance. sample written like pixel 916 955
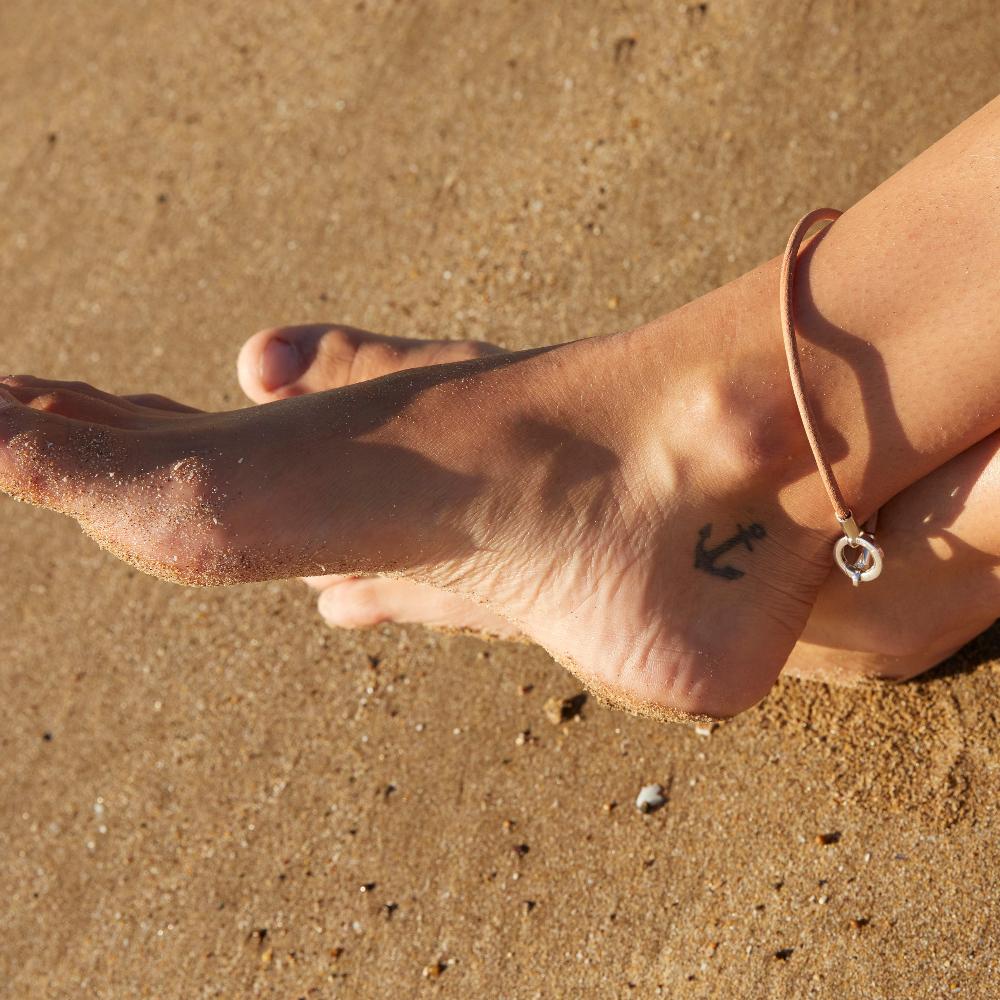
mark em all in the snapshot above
pixel 705 558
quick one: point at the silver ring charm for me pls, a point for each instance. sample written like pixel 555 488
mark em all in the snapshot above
pixel 865 568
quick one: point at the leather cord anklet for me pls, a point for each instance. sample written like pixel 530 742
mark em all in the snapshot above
pixel 867 565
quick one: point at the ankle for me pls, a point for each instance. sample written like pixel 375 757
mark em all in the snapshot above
pixel 711 390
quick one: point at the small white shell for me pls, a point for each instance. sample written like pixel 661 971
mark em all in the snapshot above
pixel 650 797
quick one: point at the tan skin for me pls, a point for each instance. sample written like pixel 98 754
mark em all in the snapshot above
pixel 942 587
pixel 566 488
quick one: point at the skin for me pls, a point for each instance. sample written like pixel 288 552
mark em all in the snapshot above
pixel 941 588
pixel 567 488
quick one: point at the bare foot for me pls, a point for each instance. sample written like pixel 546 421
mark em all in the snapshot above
pixel 291 361
pixel 942 588
pixel 661 531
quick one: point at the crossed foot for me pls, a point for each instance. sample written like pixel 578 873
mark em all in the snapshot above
pixel 648 520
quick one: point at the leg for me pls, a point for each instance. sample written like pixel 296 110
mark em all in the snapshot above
pixel 574 489
pixel 941 588
pixel 489 477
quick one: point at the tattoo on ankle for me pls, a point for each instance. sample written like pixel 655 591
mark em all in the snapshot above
pixel 705 558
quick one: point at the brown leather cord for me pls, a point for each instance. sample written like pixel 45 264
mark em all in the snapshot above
pixel 792 353
pixel 870 565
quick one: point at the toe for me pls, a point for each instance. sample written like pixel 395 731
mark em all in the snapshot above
pixel 80 401
pixel 28 383
pixel 154 401
pixel 294 360
pixel 72 404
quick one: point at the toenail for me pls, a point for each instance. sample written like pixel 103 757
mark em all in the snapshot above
pixel 280 363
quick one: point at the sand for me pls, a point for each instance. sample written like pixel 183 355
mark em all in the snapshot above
pixel 206 793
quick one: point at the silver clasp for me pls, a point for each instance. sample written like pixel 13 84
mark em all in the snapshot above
pixel 868 565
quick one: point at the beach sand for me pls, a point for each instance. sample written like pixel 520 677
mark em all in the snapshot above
pixel 207 793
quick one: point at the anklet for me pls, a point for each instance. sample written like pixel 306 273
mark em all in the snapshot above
pixel 868 564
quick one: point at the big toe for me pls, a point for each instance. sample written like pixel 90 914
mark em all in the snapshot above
pixel 287 361
pixel 295 360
